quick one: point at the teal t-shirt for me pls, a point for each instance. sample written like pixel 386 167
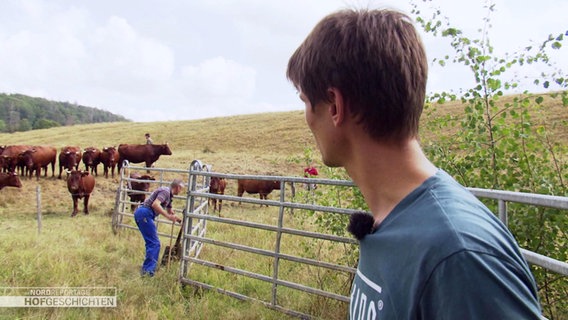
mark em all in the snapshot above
pixel 441 254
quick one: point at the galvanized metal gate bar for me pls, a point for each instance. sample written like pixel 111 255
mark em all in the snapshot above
pixel 276 263
pixel 273 254
pixel 538 200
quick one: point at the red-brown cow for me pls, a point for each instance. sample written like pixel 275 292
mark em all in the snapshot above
pixel 147 153
pixel 109 158
pixel 69 158
pixel 39 157
pixel 80 184
pixel 139 186
pixel 10 179
pixel 262 187
pixel 217 186
pixel 11 159
pixel 91 159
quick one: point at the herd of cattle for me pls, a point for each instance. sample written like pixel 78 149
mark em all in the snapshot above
pixel 29 159
pixel 24 160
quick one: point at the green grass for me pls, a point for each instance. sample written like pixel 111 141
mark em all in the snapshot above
pixel 83 252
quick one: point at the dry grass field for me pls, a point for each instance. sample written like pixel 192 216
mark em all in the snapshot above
pixel 82 251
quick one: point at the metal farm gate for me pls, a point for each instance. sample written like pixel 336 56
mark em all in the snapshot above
pixel 123 215
pixel 270 251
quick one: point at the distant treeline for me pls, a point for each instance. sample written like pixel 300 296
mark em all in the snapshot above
pixel 23 113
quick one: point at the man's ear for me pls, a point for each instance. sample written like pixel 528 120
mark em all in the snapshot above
pixel 337 106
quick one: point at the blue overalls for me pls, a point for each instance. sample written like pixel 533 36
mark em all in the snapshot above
pixel 144 217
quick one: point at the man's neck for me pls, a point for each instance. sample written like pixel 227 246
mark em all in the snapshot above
pixel 386 173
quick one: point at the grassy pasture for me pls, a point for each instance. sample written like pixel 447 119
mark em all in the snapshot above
pixel 83 251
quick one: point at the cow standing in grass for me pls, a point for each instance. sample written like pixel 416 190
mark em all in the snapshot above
pixel 262 187
pixel 217 186
pixel 39 157
pixel 69 158
pixel 147 153
pixel 91 159
pixel 139 186
pixel 80 184
pixel 109 158
pixel 10 179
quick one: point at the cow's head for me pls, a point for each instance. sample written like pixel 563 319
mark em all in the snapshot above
pixel 27 157
pixel 72 157
pixel 89 156
pixel 111 151
pixel 74 179
pixel 215 183
pixel 141 185
pixel 275 184
pixel 166 149
pixel 146 185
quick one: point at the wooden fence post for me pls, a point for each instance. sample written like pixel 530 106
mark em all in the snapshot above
pixel 38 197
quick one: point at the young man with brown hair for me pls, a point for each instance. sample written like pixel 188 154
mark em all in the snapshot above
pixel 431 249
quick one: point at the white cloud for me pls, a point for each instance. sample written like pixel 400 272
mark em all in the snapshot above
pixel 190 59
pixel 125 61
pixel 219 77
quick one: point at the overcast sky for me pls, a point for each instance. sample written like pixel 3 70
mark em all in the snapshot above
pixel 190 59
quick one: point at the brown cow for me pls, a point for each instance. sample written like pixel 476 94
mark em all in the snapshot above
pixel 69 158
pixel 9 180
pixel 109 158
pixel 262 187
pixel 217 186
pixel 91 159
pixel 136 153
pixel 11 159
pixel 139 186
pixel 39 157
pixel 80 184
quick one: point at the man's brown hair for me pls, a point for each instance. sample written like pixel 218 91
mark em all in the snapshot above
pixel 376 59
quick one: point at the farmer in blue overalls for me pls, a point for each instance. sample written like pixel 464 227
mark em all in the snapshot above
pixel 159 202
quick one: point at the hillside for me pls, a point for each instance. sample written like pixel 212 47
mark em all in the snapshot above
pixel 22 113
pixel 258 143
